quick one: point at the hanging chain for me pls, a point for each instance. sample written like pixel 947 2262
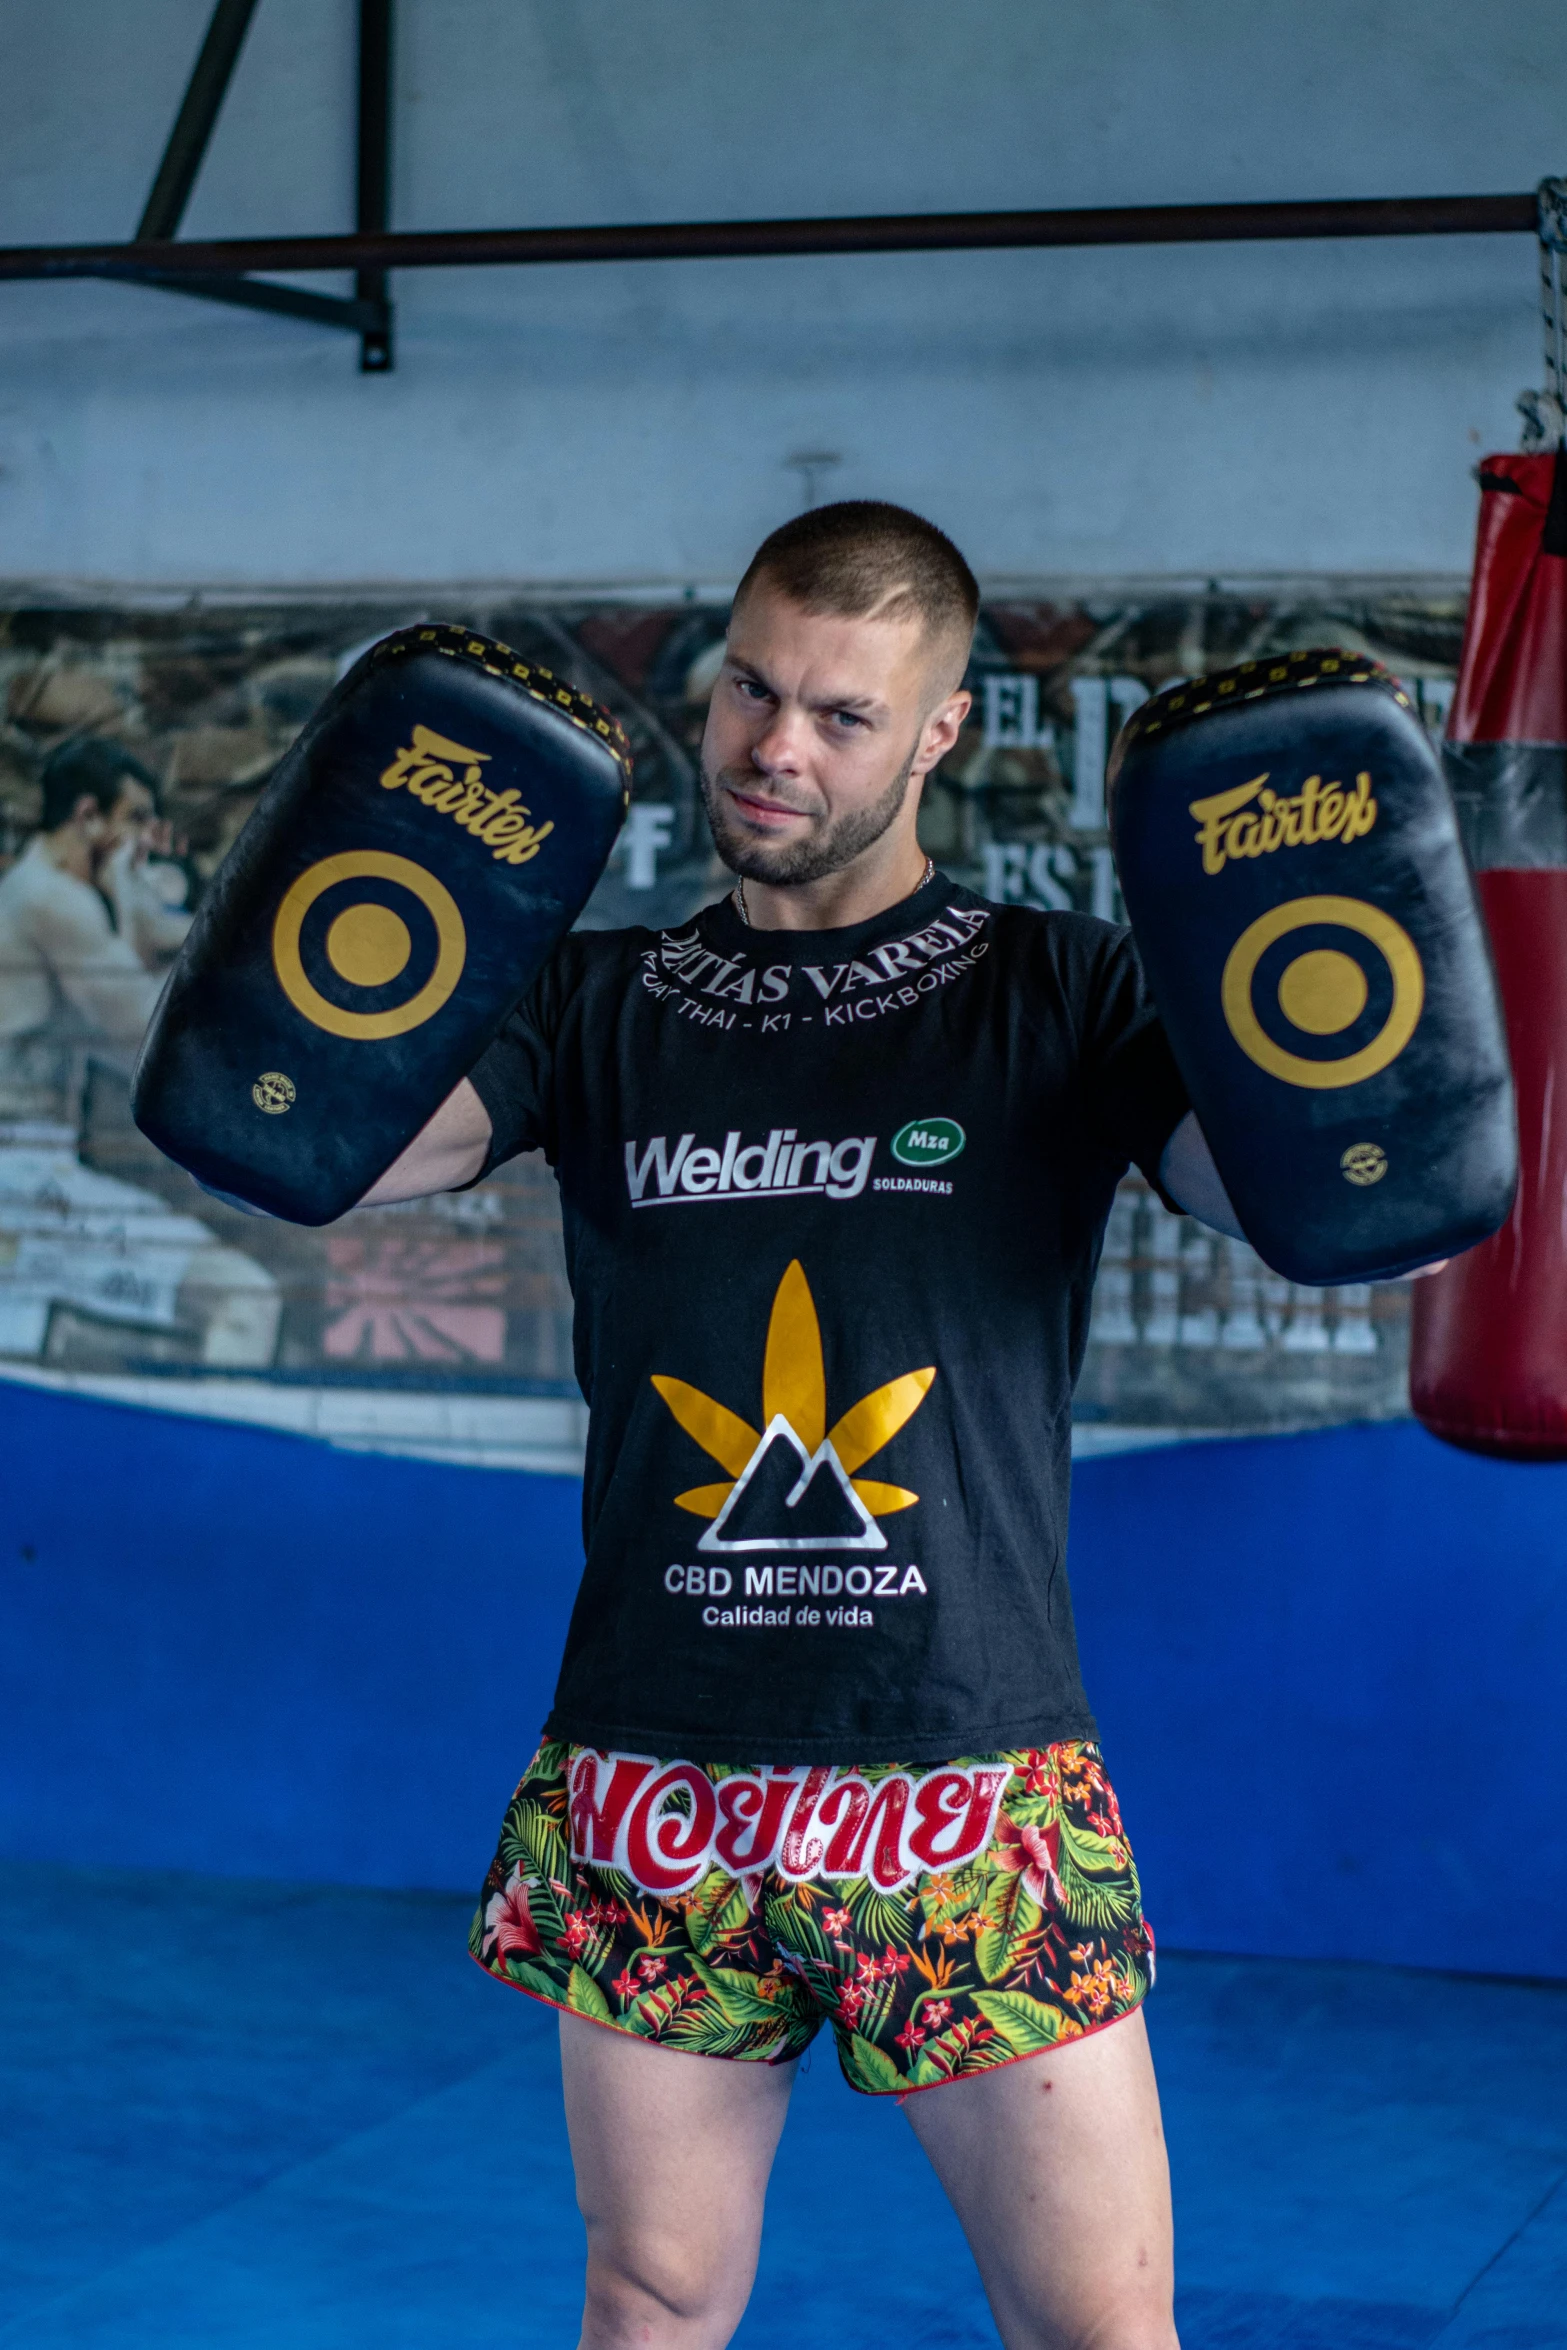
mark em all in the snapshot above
pixel 1545 412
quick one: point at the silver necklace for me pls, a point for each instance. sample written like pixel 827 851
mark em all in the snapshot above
pixel 738 892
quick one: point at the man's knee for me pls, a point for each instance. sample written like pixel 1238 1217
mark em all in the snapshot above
pixel 648 2289
pixel 1144 2321
pixel 1047 2310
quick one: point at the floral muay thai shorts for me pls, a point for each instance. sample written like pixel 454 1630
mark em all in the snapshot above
pixel 941 1920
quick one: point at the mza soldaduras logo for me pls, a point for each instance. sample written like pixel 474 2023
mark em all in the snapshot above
pixel 928 1142
pixel 791 1485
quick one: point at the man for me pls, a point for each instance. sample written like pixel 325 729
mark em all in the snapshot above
pixel 835 1163
pixel 85 940
pixel 72 971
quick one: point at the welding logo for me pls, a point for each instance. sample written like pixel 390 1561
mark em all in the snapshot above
pixel 792 1485
pixel 779 1168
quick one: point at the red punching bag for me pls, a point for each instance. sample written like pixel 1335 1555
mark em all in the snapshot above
pixel 1488 1350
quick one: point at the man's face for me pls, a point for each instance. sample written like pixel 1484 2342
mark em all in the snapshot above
pixel 817 729
pixel 127 817
pixel 133 809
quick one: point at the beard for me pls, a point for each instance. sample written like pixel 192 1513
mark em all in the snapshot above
pixel 827 848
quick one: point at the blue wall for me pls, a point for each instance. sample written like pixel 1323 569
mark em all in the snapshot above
pixel 225 1649
pixel 1331 1676
pixel 1330 1670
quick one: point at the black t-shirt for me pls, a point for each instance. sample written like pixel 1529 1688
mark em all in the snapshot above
pixel 833 1202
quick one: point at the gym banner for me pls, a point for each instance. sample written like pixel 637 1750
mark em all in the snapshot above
pixel 133 745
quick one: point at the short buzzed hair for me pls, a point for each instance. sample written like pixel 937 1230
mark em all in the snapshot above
pixel 862 556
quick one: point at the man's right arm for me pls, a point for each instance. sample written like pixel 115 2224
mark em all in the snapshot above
pixel 99 973
pixel 443 1155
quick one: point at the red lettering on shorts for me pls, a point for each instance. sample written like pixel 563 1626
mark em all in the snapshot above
pixel 801 1855
pixel 954 1816
pixel 875 1822
pixel 595 1826
pixel 843 1809
pixel 804 1822
pixel 667 1850
pixel 752 1813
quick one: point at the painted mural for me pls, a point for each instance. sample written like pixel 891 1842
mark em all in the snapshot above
pixel 115 1268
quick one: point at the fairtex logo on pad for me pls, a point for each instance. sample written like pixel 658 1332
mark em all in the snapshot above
pixel 779 1168
pixel 430 765
pixel 1232 827
pixel 665 1826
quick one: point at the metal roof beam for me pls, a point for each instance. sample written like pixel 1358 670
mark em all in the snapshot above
pixel 374 161
pixel 369 314
pixel 912 232
pixel 258 293
pixel 193 125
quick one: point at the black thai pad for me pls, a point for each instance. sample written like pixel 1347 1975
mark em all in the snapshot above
pixel 429 838
pixel 1291 865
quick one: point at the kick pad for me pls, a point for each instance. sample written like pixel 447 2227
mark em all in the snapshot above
pixel 1291 865
pixel 420 851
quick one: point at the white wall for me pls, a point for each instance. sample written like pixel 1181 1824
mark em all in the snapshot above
pixel 1225 410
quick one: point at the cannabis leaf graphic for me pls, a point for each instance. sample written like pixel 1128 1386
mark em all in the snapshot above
pixel 794 1389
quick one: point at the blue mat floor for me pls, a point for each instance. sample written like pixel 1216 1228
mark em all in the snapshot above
pixel 240 2115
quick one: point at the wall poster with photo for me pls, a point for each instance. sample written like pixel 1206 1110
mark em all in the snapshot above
pixel 134 743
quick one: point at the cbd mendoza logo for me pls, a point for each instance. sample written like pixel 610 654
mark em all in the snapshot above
pixel 928 1142
pixel 791 1484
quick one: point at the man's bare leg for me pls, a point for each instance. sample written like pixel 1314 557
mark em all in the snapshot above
pixel 672 2155
pixel 1056 2167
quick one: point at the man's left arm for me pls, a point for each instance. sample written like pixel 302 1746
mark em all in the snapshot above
pixel 1137 1094
pixel 1136 1080
pixel 1188 1174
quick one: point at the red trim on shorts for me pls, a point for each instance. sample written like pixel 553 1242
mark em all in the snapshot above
pixel 1023 2056
pixel 609 2024
pixel 900 2096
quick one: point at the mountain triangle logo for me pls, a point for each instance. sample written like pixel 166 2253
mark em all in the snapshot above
pixel 791 1484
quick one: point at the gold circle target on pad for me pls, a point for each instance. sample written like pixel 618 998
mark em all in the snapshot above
pixel 368 944
pixel 1323 991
